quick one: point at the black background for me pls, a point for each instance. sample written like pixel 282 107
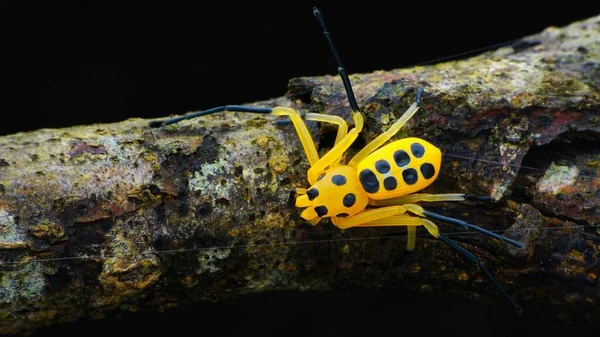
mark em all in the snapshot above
pixel 71 63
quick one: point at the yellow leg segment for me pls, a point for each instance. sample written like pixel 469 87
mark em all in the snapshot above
pixel 302 201
pixel 368 216
pixel 414 209
pixel 300 190
pixel 384 137
pixel 393 220
pixel 411 238
pixel 411 224
pixel 404 220
pixel 307 142
pixel 337 151
pixel 412 198
pixel 339 121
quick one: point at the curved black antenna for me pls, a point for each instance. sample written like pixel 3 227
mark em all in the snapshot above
pixel 238 108
pixel 341 69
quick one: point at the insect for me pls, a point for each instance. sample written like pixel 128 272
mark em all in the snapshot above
pixel 379 186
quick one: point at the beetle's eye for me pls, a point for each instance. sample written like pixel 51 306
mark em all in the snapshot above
pixel 312 193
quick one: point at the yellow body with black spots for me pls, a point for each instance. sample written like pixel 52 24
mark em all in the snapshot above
pixel 399 168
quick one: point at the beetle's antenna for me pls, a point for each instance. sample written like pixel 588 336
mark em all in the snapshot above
pixel 476 261
pixel 341 69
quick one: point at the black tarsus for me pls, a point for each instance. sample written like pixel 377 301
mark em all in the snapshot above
pixel 283 122
pixel 341 70
pixel 419 95
pixel 292 197
pixel 237 108
pixel 467 53
pixel 477 197
pixel 466 225
pixel 478 262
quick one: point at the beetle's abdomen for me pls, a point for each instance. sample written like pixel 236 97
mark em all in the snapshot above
pixel 401 167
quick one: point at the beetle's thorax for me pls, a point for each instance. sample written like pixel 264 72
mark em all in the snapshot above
pixel 337 192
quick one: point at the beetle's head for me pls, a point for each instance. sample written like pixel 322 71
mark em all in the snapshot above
pixel 337 193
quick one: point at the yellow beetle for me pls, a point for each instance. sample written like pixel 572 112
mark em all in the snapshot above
pixel 377 186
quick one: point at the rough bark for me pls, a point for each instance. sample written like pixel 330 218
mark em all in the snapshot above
pixel 116 217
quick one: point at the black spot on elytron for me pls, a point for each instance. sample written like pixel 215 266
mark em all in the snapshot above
pixel 321 210
pixel 382 166
pixel 349 200
pixel 369 181
pixel 338 179
pixel 401 158
pixel 390 183
pixel 427 170
pixel 342 215
pixel 410 176
pixel 417 150
pixel 320 176
pixel 312 193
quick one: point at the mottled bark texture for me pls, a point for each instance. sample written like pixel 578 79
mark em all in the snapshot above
pixel 104 218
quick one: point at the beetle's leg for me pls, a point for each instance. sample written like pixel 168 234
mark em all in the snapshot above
pixel 411 237
pixel 407 220
pixel 238 108
pixel 420 211
pixel 366 216
pixel 337 120
pixel 417 197
pixel 478 262
pixel 331 119
pixel 303 134
pixel 342 130
pixel 407 201
pixel 389 133
pixel 338 150
pixel 410 222
pixel 307 142
pixel 294 193
pixel 385 216
pixel 303 201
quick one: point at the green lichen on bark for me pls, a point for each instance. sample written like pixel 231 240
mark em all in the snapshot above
pixel 117 217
